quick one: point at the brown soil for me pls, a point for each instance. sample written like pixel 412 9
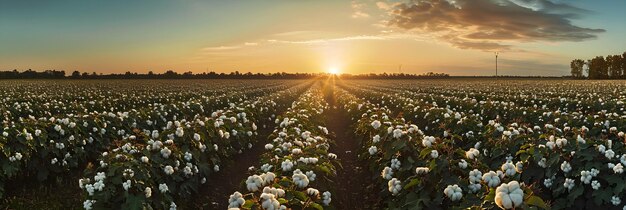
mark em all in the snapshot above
pixel 352 184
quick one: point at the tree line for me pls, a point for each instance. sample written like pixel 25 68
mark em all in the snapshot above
pixel 611 67
pixel 170 74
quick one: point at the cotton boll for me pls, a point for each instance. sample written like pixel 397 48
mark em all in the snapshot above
pixel 491 178
pixel 508 168
pixel 509 195
pixel 373 150
pixel 569 184
pixel 254 183
pixel 434 154
pixel 387 173
pixel 422 170
pixel 472 153
pixel 236 200
pixel 301 180
pixel 454 192
pixel 394 186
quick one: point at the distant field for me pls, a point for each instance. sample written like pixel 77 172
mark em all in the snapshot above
pixel 325 143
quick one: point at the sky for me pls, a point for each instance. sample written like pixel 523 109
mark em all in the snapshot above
pixel 458 37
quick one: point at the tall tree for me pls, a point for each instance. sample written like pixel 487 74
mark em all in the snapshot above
pixel 577 68
pixel 614 63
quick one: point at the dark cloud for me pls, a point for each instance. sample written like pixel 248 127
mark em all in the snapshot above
pixel 483 24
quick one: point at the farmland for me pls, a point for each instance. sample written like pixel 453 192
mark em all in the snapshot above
pixel 324 143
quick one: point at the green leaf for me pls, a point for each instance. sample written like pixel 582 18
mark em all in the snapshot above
pixel 317 206
pixel 412 183
pixel 537 201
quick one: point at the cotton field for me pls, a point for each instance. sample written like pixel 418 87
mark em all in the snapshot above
pixel 314 144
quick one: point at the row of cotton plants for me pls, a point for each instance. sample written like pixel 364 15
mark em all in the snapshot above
pixel 546 140
pixel 419 171
pixel 157 168
pixel 51 145
pixel 294 162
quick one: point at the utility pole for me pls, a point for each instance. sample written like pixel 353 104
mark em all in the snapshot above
pixel 496 64
pixel 400 69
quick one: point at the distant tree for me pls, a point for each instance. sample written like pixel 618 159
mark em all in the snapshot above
pixel 624 65
pixel 598 68
pixel 614 63
pixel 75 75
pixel 577 66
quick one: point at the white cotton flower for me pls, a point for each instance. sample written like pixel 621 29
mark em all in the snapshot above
pixel 254 183
pixel 609 154
pixel 566 167
pixel 166 152
pixel 428 141
pixel 311 175
pixel 547 183
pixel 394 186
pixel 163 188
pixel 173 206
pixel 286 165
pixel 268 178
pixel 585 177
pixel 397 133
pixel 269 146
pixel 180 132
pixel 474 176
pixel 618 169
pixel 434 154
pixel 594 172
pixel 373 150
pixel 519 167
pixel 595 185
pixel 462 164
pixel 169 170
pixel 188 156
pixel 387 173
pixel 509 195
pixel 376 139
pixel 454 192
pixel 312 192
pixel 561 142
pixel 126 185
pixel 301 180
pixel 569 184
pixel 197 137
pixel 550 145
pixel 326 198
pixel 145 159
pixel 580 139
pixel 601 148
pixel 148 192
pixel 88 204
pixel 472 153
pixel 491 178
pixel 508 168
pixel 395 163
pixel 422 170
pixel 376 124
pixel 615 200
pixel 236 200
pixel 474 187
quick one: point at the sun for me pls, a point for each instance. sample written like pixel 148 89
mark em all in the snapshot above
pixel 334 70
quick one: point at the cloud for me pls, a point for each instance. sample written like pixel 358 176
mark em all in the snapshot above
pixel 358 10
pixel 486 24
